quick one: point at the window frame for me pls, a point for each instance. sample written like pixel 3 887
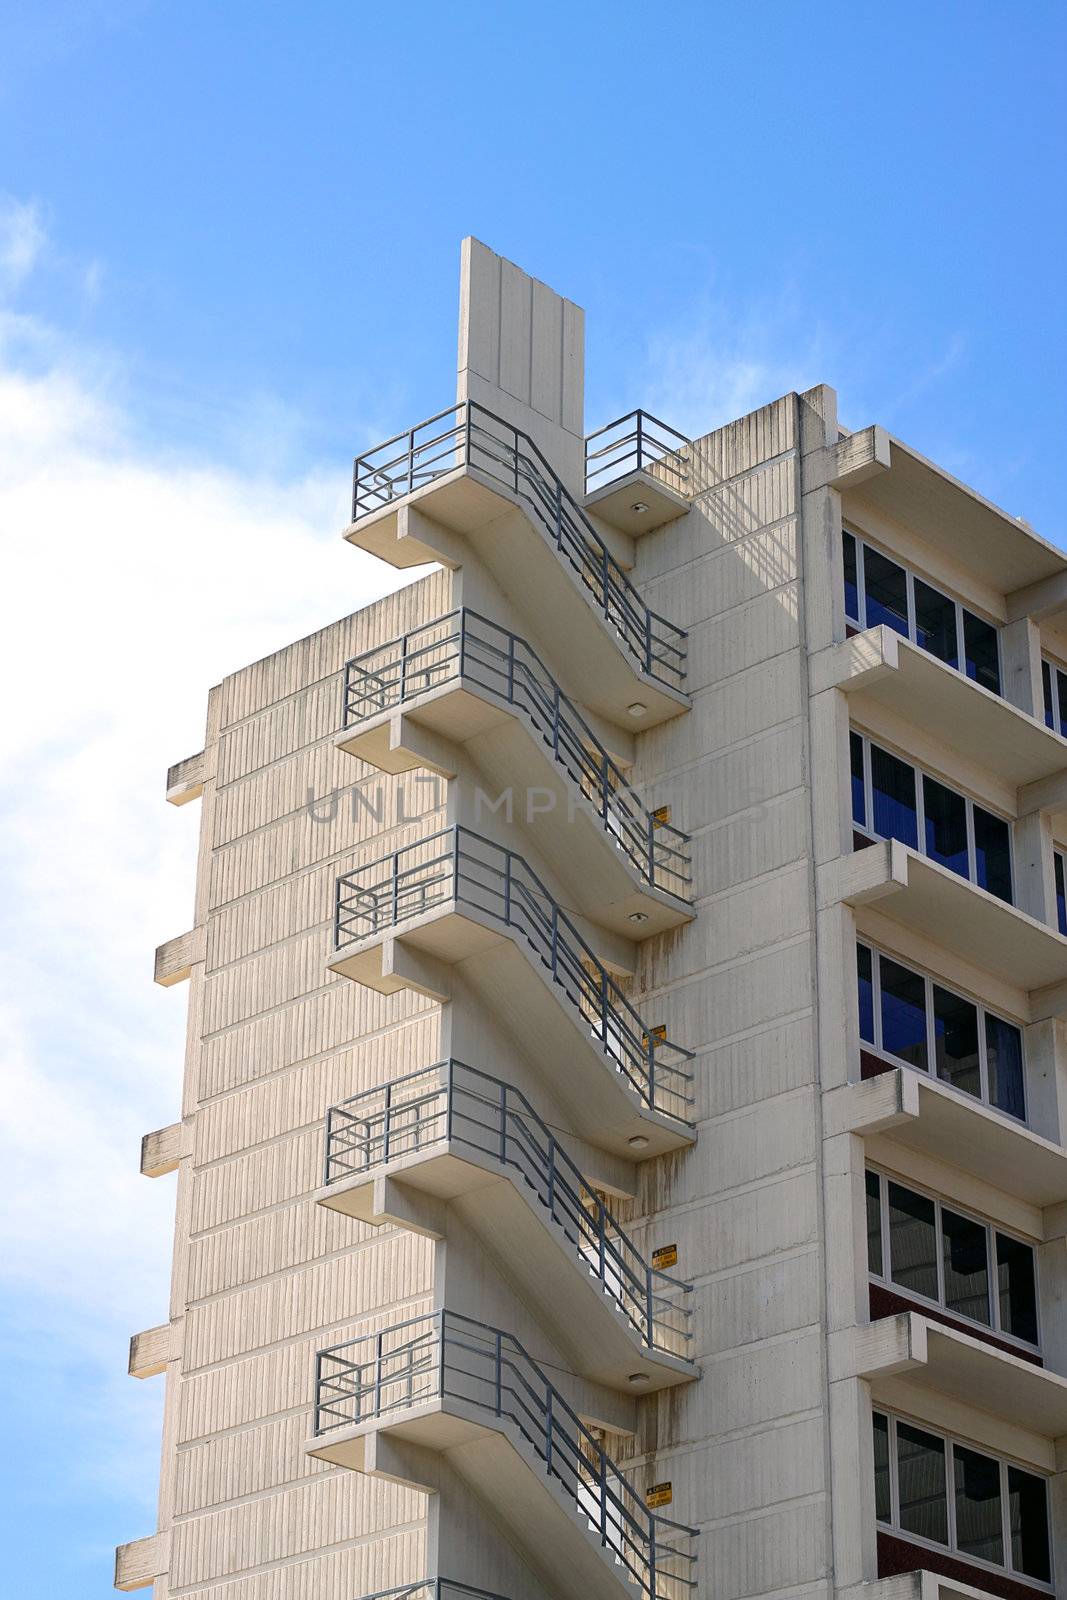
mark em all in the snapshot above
pixel 1051 672
pixel 991 1229
pixel 951 1442
pixel 862 542
pixel 1059 878
pixel 930 1072
pixel 866 827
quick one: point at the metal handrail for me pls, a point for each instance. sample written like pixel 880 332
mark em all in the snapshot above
pixel 452 1102
pixel 637 442
pixel 464 644
pixel 459 865
pixel 469 435
pixel 448 1356
pixel 433 1589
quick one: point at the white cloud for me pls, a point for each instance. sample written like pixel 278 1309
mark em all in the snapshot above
pixel 131 584
pixel 22 238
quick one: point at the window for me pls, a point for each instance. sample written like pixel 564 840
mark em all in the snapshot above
pixel 891 799
pixel 1054 683
pixel 940 1491
pixel 1061 894
pixel 921 1246
pixel 878 590
pixel 905 1014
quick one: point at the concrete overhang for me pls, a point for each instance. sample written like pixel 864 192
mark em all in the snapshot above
pixel 966 1369
pixel 944 907
pixel 999 549
pixel 940 1122
pixel 464 510
pixel 919 1585
pixel 515 758
pixel 615 503
pixel 502 1470
pixel 585 1078
pixel 571 1300
pixel 880 667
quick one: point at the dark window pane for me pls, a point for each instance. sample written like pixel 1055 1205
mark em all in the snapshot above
pixel 980 644
pixel 883 1509
pixel 1016 1288
pixel 1060 680
pixel 874 1224
pixel 992 853
pixel 946 826
pixel 921 1476
pixel 903 1013
pixel 935 623
pixel 1061 893
pixel 1028 1520
pixel 852 594
pixel 912 1241
pixel 965 1251
pixel 866 993
pixel 1004 1058
pixel 1046 685
pixel 979 1528
pixel 886 590
pixel 855 750
pixel 893 798
pixel 956 1041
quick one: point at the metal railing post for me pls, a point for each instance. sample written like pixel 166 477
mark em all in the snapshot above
pixel 411 460
pixel 318 1389
pixel 440 1320
pixel 503 1123
pixel 326 1146
pixel 403 670
pixel 650 1334
pixel 378 1374
pixel 552 1177
pixel 449 1091
pixel 467 428
pixel 455 865
pixel 388 1120
pixel 396 887
pixel 499 1374
pixel 548 1434
pixel 640 441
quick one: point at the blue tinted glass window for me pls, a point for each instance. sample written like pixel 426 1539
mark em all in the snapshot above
pixel 1046 685
pixel 859 805
pixel 935 623
pixel 866 992
pixel 1016 1287
pixel 1061 894
pixel 965 1257
pixel 912 1241
pixel 903 1012
pixel 874 1223
pixel 921 1479
pixel 980 643
pixel 893 798
pixel 979 1521
pixel 992 853
pixel 1028 1521
pixel 1004 1060
pixel 885 588
pixel 1060 679
pixel 946 826
pixel 956 1041
pixel 852 592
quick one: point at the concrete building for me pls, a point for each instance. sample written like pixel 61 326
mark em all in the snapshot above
pixel 623 1141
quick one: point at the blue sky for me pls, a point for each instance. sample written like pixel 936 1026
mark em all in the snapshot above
pixel 229 258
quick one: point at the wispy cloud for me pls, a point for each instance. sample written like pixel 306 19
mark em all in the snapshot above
pixel 22 238
pixel 132 583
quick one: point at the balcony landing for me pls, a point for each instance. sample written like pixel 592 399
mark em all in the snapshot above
pixel 568 1296
pixel 584 1076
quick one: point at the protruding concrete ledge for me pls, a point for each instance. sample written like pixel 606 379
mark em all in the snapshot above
pixel 1039 601
pixel 926 1115
pixel 175 959
pixel 1002 551
pixel 947 909
pixel 615 502
pixel 162 1150
pixel 884 669
pixel 966 1369
pixel 849 462
pixel 139 1564
pixel 151 1350
pixel 913 1586
pixel 186 779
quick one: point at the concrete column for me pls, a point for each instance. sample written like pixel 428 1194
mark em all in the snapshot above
pixel 1020 666
pixel 1046 1078
pixel 1035 882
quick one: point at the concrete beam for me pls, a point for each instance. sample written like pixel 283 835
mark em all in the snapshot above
pixel 162 1150
pixel 849 462
pixel 1040 600
pixel 151 1350
pixel 140 1563
pixel 175 959
pixel 186 779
